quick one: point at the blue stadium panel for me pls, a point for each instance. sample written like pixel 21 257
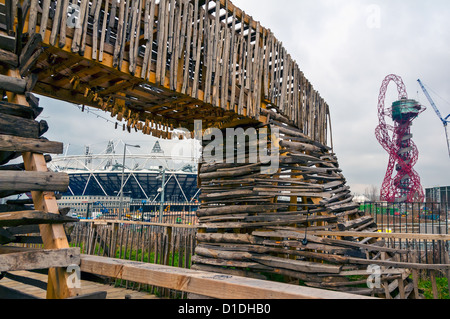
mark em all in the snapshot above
pixel 138 185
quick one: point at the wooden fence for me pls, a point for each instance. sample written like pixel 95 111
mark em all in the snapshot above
pixel 168 245
pixel 174 245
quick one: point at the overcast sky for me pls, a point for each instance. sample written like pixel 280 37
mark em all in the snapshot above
pixel 345 48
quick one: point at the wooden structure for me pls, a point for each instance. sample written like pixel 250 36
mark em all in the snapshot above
pixel 21 135
pixel 34 285
pixel 161 65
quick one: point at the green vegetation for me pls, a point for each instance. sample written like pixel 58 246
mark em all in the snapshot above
pixel 442 288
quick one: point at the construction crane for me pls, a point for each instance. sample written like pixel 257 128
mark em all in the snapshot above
pixel 445 121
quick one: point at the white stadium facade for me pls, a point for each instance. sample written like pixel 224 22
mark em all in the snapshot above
pixel 150 177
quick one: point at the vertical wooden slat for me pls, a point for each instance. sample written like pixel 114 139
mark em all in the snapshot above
pixel 171 26
pixel 56 22
pixel 242 70
pixel 84 32
pixel 120 31
pixel 160 37
pixel 134 35
pixel 209 30
pixel 95 23
pixel 146 68
pixel 165 47
pixel 196 28
pixel 79 28
pixel 175 61
pixel 234 74
pixel 44 17
pixel 188 49
pixel 267 58
pixel 217 63
pixel 195 85
pixel 32 20
pixel 103 31
pixel 434 284
pixel 63 28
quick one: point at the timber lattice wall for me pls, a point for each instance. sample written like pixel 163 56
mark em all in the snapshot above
pixel 161 64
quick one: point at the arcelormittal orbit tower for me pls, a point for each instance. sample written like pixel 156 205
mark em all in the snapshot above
pixel 396 139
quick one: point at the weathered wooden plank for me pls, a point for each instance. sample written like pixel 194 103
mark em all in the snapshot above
pixel 296 146
pixel 32 20
pixel 9 58
pixel 120 30
pixel 298 265
pixel 204 283
pixel 17 126
pixel 62 32
pixel 76 41
pixel 33 181
pixel 96 23
pixel 176 61
pixel 56 21
pixel 236 209
pixel 195 85
pixel 104 30
pixel 166 36
pixel 39 259
pixel 188 50
pixel 355 223
pixel 84 29
pixel 20 110
pixel 20 144
pixel 383 235
pixel 44 17
pixel 14 85
pixel 135 18
pixel 30 217
pixel 160 40
pixel 146 64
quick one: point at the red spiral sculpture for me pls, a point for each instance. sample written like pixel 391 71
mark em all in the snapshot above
pixel 397 141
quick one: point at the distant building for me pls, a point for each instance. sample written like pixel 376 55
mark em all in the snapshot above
pixel 90 206
pixel 438 194
pixel 361 199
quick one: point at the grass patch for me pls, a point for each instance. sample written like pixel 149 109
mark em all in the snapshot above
pixel 442 288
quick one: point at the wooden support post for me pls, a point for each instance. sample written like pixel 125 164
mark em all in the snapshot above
pixel 434 284
pixel 53 236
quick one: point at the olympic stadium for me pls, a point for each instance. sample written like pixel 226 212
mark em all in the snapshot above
pixel 150 174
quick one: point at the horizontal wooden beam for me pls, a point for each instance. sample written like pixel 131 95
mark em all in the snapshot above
pixel 208 284
pixel 13 85
pixel 32 218
pixel 21 145
pixel 130 222
pixel 20 110
pixel 39 259
pixel 381 235
pixel 18 126
pixel 9 58
pixel 33 181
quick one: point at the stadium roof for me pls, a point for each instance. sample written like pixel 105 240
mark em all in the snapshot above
pixel 100 174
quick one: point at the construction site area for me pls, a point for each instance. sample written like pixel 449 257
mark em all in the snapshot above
pixel 258 207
